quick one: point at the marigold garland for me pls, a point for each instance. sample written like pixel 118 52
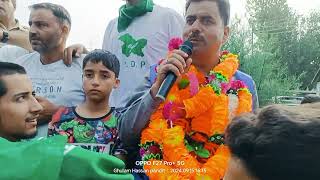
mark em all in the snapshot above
pixel 187 129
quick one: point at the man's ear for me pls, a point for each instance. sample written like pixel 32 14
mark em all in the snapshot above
pixel 116 84
pixel 226 33
pixel 65 30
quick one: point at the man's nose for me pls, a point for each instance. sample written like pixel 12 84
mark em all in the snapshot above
pixel 32 29
pixel 196 26
pixel 95 81
pixel 35 106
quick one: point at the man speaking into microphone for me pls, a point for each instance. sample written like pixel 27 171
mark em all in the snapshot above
pixel 207 29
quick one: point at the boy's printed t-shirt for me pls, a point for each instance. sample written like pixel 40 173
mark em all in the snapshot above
pixel 95 134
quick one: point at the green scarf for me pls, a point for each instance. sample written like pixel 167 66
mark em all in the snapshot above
pixel 128 13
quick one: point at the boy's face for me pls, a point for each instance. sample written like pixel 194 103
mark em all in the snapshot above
pixel 19 109
pixel 98 81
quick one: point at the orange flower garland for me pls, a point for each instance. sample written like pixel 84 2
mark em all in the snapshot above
pixel 190 145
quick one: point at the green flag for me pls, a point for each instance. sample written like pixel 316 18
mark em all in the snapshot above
pixel 84 164
pixel 52 159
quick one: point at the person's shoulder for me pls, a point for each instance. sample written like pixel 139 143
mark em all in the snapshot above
pixel 63 114
pixel 117 111
pixel 12 47
pixel 10 53
pixel 113 21
pixel 28 58
pixel 112 24
pixel 165 11
pixel 78 61
pixel 239 75
pixel 167 15
pixel 111 119
pixel 32 55
pixel 247 79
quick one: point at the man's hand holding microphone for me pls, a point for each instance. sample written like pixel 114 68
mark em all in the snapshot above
pixel 172 68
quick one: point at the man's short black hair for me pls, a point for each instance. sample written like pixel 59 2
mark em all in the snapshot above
pixel 8 69
pixel 223 6
pixel 57 10
pixel 279 143
pixel 108 59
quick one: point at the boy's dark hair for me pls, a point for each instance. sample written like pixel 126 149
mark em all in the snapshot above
pixel 278 143
pixel 8 69
pixel 57 10
pixel 108 59
pixel 311 98
pixel 223 6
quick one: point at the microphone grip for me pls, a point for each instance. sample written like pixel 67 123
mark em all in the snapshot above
pixel 166 85
pixel 170 78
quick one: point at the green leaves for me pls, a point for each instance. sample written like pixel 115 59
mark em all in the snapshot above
pixel 197 148
pixel 203 153
pixel 270 57
pixel 190 148
pixel 147 157
pixel 183 83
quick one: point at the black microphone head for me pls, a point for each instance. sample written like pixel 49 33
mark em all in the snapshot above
pixel 187 47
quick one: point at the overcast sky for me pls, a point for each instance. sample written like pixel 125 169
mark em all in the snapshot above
pixel 90 18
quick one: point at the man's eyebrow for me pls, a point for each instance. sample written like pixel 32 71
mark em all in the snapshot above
pixel 38 21
pixel 21 94
pixel 206 17
pixel 105 71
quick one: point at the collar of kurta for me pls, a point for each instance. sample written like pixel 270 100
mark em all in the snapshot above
pixel 128 13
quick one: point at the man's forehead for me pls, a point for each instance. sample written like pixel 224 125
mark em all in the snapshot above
pixel 41 14
pixel 17 83
pixel 202 8
pixel 90 66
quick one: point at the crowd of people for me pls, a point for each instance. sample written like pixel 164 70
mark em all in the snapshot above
pixel 73 114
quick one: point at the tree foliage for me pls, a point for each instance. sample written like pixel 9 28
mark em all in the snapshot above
pixel 277 47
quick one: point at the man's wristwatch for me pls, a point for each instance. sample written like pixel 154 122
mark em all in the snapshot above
pixel 5 36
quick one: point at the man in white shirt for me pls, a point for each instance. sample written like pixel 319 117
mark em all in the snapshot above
pixel 139 37
pixel 55 83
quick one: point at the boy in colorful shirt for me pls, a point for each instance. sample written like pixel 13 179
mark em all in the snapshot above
pixel 93 124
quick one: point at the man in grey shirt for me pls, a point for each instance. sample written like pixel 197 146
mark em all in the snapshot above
pixel 55 84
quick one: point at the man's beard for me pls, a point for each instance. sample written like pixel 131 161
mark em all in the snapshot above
pixel 41 48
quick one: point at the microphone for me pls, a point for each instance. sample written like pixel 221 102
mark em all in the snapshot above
pixel 171 77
